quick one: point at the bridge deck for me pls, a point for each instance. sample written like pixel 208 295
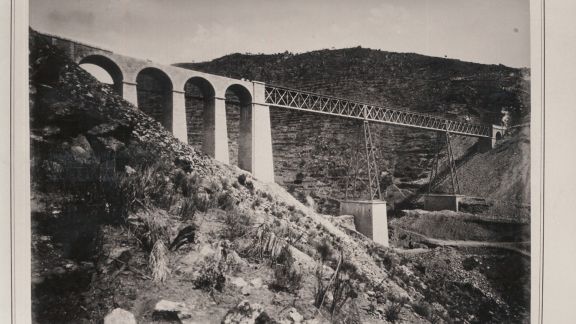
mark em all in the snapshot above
pixel 313 102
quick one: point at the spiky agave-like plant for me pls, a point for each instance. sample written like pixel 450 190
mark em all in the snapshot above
pixel 158 261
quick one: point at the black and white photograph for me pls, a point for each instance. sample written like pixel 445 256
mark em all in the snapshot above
pixel 294 162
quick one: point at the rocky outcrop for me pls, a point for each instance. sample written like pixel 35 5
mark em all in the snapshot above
pixel 246 313
pixel 119 316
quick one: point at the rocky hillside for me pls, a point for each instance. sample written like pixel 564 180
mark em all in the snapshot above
pixel 129 224
pixel 447 87
pixel 403 80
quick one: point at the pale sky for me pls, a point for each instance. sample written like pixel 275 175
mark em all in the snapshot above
pixel 170 31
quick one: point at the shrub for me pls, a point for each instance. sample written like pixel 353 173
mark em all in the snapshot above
pixel 202 201
pixel 295 216
pixel 286 277
pixel 236 224
pixel 146 188
pixel 226 183
pixel 268 244
pixel 213 186
pixel 324 253
pixel 226 201
pixel 242 179
pixel 188 185
pixel 158 261
pixel 152 226
pixel 257 202
pixel 179 179
pixel 211 277
pixel 187 209
pixel 344 285
pixel 422 308
pixel 249 185
pixel 393 310
pixel 390 262
pixel 275 212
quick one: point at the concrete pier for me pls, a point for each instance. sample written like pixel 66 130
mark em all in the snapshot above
pixel 442 202
pixel 179 128
pixel 370 218
pixel 215 131
pixel 261 136
pixel 129 92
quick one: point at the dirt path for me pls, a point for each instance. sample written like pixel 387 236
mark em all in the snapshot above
pixel 511 246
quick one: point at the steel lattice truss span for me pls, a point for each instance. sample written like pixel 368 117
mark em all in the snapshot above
pixel 308 101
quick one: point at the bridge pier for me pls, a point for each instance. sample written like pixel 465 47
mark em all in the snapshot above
pixel 130 92
pixel 179 128
pixel 370 218
pixel 435 202
pixel 215 141
pixel 261 133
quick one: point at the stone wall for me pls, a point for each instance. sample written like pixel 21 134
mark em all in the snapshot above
pixel 196 104
pixel 155 98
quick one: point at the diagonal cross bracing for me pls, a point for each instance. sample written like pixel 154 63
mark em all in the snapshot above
pixel 308 101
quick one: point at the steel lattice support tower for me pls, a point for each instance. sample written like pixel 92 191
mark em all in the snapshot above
pixel 363 168
pixel 434 173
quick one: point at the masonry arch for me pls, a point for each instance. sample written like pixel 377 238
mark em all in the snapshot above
pixel 97 65
pixel 239 125
pixel 154 93
pixel 498 136
pixel 199 101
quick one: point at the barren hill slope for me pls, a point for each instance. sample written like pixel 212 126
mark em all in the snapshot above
pixel 502 173
pixel 407 80
pixel 446 87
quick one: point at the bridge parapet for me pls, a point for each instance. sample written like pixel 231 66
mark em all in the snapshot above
pixel 130 67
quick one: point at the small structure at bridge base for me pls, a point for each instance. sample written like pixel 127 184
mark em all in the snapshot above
pixel 370 218
pixel 442 202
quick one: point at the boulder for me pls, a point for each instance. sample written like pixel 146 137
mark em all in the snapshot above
pixel 256 283
pixel 293 317
pixel 166 310
pixel 109 143
pixel 50 130
pixel 81 150
pixel 243 313
pixel 103 129
pixel 246 290
pixel 238 282
pixel 129 170
pixel 346 221
pixel 119 316
pixel 169 306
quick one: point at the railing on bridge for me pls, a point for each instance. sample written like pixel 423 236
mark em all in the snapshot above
pixel 313 102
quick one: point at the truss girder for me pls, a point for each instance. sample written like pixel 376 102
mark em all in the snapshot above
pixel 308 101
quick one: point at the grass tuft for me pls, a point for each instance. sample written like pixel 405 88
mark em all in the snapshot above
pixel 158 262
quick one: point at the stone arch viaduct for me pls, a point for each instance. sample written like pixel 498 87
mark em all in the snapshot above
pixel 168 87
